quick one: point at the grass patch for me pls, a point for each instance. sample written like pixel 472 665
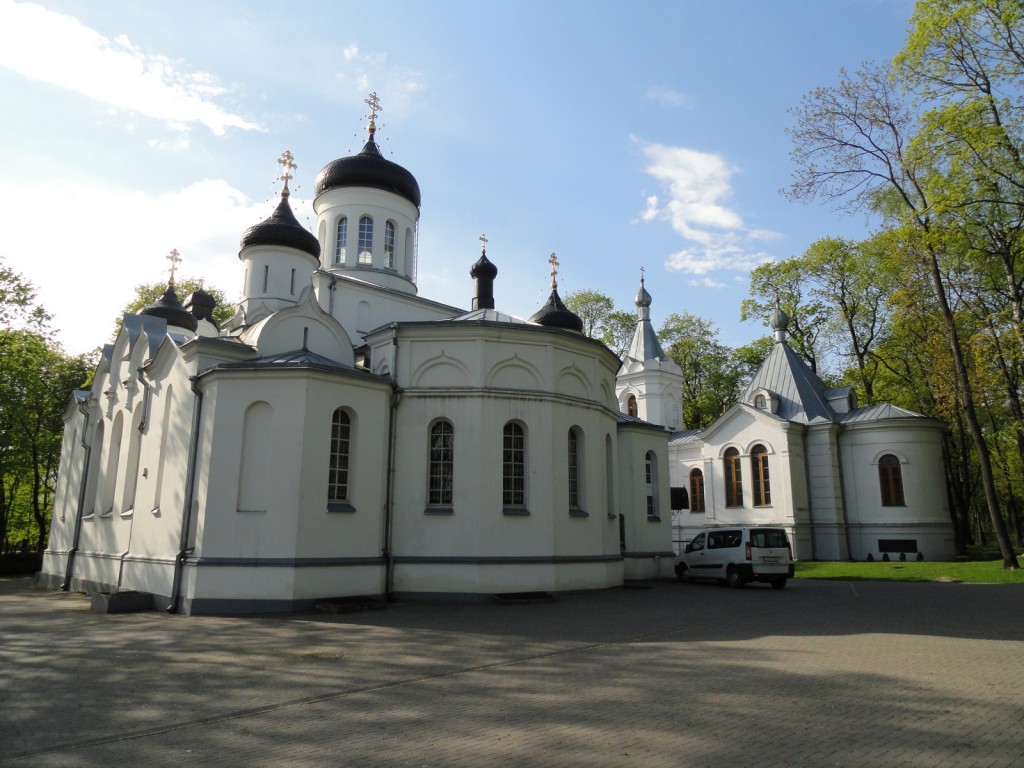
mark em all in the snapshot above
pixel 988 572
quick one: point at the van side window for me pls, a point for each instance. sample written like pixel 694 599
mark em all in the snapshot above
pixel 724 539
pixel 697 544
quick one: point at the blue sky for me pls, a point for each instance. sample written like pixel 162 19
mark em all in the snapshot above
pixel 617 135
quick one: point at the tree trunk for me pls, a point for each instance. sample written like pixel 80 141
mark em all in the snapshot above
pixel 966 392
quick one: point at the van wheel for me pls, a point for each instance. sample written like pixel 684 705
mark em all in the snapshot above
pixel 779 583
pixel 732 578
pixel 684 574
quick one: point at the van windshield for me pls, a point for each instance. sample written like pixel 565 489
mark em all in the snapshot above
pixel 769 538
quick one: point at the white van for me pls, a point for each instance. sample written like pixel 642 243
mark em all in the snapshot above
pixel 738 554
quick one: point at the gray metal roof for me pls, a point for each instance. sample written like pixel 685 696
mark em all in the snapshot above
pixel 878 413
pixel 801 393
pixel 684 436
pixel 645 344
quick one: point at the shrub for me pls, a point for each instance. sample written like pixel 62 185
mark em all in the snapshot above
pixel 903 557
pixel 885 557
pixel 870 558
pixel 920 557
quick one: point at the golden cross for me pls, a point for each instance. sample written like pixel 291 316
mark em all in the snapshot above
pixel 287 160
pixel 553 261
pixel 483 243
pixel 175 258
pixel 375 107
pixel 641 275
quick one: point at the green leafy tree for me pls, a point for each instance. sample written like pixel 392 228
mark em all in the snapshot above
pixel 593 308
pixel 853 144
pixel 36 379
pixel 787 283
pixel 619 328
pixel 711 377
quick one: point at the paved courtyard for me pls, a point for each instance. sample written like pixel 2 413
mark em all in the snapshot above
pixel 657 674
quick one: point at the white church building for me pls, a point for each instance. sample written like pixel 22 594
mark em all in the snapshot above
pixel 342 436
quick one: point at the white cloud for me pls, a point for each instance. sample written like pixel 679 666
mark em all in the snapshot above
pixel 114 239
pixel 351 52
pixel 58 49
pixel 667 97
pixel 707 282
pixel 698 188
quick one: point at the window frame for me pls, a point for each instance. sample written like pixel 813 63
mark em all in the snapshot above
pixel 733 476
pixel 365 249
pixel 389 244
pixel 698 504
pixel 514 469
pixel 339 465
pixel 651 486
pixel 890 481
pixel 341 240
pixel 575 475
pixel 441 467
pixel 760 478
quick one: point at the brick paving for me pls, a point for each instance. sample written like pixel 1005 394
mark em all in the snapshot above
pixel 664 674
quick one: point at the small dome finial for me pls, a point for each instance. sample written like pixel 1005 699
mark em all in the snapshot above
pixel 375 107
pixel 483 245
pixel 287 162
pixel 175 258
pixel 779 321
pixel 643 298
pixel 553 261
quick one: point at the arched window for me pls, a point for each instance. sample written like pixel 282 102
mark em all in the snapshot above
pixel 761 402
pixel 341 452
pixel 651 483
pixel 341 240
pixel 733 479
pixel 513 466
pixel 759 472
pixel 890 479
pixel 575 469
pixel 389 245
pixel 366 240
pixel 696 490
pixel 442 464
pixel 631 408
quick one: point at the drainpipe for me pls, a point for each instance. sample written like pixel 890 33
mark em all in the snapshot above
pixel 146 389
pixel 389 499
pixel 83 407
pixel 186 512
pixel 810 497
pixel 842 495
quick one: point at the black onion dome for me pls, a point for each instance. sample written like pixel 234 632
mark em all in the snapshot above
pixel 282 229
pixel 369 169
pixel 555 314
pixel 483 268
pixel 169 308
pixel 201 305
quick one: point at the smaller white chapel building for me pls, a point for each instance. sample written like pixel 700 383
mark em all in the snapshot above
pixel 845 482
